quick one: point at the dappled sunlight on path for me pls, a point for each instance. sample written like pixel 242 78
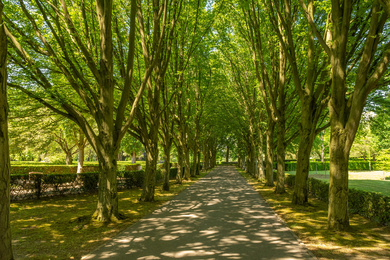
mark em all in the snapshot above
pixel 219 217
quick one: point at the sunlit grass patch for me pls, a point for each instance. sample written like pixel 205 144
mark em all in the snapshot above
pixel 364 239
pixel 62 227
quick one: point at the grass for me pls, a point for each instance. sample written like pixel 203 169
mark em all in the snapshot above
pixel 367 181
pixel 61 227
pixel 363 240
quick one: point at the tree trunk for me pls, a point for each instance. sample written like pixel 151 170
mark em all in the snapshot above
pixel 206 157
pixel 322 147
pixel 269 159
pixel 69 159
pixel 198 163
pixel 227 154
pixel 120 156
pixel 107 208
pixel 281 154
pixel 133 157
pixel 306 139
pixel 338 186
pixel 167 165
pixel 194 163
pixel 187 166
pixel 150 171
pixel 5 228
pixel 300 195
pixel 80 163
pixel 260 160
pixel 179 176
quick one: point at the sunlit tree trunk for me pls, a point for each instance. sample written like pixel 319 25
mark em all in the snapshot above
pixel 133 157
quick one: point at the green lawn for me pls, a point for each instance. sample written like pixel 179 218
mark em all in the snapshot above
pixel 367 181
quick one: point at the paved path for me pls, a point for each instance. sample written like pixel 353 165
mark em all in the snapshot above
pixel 219 217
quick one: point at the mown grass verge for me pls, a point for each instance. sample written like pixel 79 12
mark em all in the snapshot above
pixel 364 239
pixel 61 227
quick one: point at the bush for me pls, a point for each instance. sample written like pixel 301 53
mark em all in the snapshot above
pixel 132 178
pixel 290 180
pixel 50 169
pixel 90 181
pixel 371 205
pixel 357 165
pixel 318 189
pixel 173 173
pixel 58 178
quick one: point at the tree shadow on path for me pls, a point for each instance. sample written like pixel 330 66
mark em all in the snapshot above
pixel 219 217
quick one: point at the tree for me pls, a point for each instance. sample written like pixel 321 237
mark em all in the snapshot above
pixel 311 81
pixel 359 54
pixel 5 228
pixel 68 45
pixel 131 146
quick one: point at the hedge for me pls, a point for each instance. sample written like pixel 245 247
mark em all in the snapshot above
pixel 324 166
pixel 64 169
pixel 371 205
pixel 47 169
pixel 31 186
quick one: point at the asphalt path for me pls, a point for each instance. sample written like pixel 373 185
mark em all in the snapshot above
pixel 219 217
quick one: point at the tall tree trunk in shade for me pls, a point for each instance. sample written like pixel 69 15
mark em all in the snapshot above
pixel 5 228
pixel 270 152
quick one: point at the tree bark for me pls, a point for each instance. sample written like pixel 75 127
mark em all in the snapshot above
pixel 107 207
pixel 198 163
pixel 270 151
pixel 306 138
pixel 167 164
pixel 281 154
pixel 81 147
pixel 338 187
pixel 80 163
pixel 150 172
pixel 194 162
pixel 69 159
pixel 187 166
pixel 179 176
pixel 133 157
pixel 6 252
pixel 227 154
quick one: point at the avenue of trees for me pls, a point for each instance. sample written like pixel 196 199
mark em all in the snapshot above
pixel 258 79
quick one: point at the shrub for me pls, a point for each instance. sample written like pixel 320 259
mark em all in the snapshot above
pixel 50 169
pixel 132 178
pixel 357 165
pixel 90 181
pixel 290 180
pixel 371 205
pixel 58 178
pixel 173 173
pixel 318 189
